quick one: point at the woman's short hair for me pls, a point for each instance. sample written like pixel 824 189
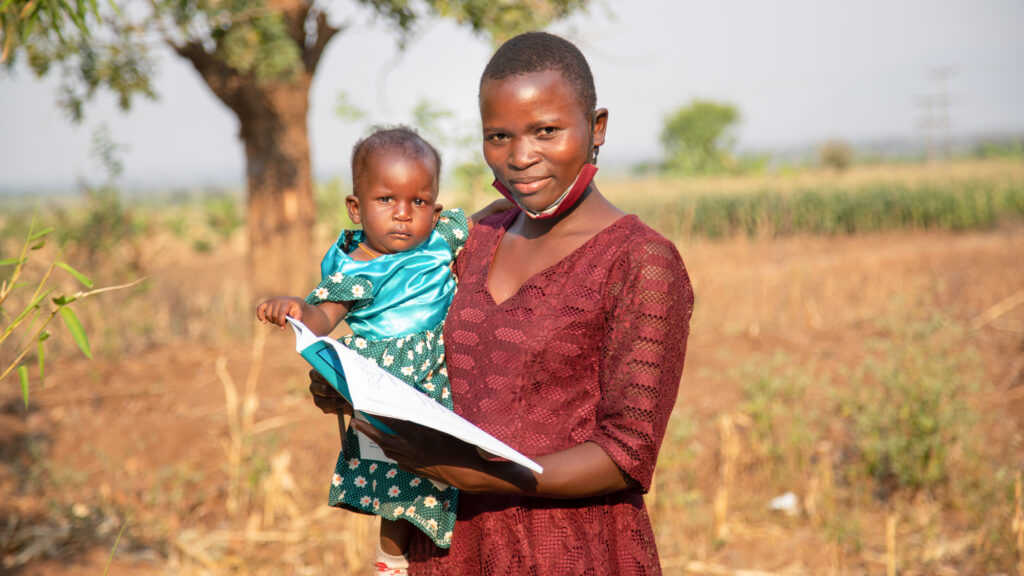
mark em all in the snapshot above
pixel 533 52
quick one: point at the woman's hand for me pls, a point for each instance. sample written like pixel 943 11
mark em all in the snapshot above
pixel 432 454
pixel 326 397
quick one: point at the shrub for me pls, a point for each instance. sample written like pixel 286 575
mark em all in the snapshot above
pixel 835 154
pixel 907 408
pixel 785 423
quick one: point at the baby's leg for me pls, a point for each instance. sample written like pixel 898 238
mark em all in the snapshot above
pixel 394 536
pixel 394 540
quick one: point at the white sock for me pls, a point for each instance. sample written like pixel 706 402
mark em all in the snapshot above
pixel 390 563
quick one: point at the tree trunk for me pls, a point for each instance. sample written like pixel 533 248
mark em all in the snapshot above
pixel 281 209
pixel 272 115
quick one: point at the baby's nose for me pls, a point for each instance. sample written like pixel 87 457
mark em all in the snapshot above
pixel 402 211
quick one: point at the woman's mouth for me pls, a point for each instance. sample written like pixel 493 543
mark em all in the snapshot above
pixel 529 185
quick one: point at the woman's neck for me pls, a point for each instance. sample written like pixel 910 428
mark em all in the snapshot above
pixel 592 213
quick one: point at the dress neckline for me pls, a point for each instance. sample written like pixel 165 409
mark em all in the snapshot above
pixel 621 221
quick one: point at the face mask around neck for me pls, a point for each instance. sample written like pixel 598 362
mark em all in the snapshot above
pixel 567 200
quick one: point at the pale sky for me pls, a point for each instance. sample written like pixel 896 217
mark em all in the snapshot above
pixel 800 71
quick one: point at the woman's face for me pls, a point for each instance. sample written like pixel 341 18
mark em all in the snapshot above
pixel 537 136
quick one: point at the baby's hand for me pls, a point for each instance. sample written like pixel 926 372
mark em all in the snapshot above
pixel 277 309
pixel 495 207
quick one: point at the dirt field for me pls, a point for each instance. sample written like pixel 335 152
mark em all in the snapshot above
pixel 148 438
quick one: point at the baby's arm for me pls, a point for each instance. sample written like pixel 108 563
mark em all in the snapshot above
pixel 321 318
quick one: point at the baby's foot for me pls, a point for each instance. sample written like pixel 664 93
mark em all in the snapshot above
pixel 389 564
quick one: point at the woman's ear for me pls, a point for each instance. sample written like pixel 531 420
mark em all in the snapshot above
pixel 352 203
pixel 600 126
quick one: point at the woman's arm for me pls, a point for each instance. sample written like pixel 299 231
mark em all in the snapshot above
pixel 583 470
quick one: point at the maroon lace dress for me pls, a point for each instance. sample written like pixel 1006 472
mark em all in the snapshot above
pixel 589 350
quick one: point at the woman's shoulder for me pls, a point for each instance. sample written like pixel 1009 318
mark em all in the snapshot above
pixel 642 250
pixel 490 228
pixel 635 240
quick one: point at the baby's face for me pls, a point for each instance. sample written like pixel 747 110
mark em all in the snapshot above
pixel 396 202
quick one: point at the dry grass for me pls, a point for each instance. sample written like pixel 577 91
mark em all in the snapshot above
pixel 659 190
pixel 204 439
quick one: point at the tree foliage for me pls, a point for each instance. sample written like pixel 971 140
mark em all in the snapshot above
pixel 697 138
pixel 110 46
pixel 259 58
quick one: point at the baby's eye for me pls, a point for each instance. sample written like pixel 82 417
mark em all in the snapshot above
pixel 384 199
pixel 418 202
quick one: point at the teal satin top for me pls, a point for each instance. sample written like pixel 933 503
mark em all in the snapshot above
pixel 395 294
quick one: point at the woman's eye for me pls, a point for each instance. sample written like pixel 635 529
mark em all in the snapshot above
pixel 548 131
pixel 497 137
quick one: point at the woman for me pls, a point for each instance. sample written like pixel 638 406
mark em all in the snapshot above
pixel 566 340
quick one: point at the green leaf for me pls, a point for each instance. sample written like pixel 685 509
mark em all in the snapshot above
pixel 40 234
pixel 39 244
pixel 114 549
pixel 23 375
pixel 64 300
pixel 39 355
pixel 11 261
pixel 78 275
pixel 77 332
pixel 31 307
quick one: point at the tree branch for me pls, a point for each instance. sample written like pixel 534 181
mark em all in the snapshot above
pixel 311 53
pixel 294 13
pixel 221 78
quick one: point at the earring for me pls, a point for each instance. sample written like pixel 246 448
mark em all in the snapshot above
pixel 593 160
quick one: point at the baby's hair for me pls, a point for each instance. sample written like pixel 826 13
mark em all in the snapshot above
pixel 401 140
pixel 533 52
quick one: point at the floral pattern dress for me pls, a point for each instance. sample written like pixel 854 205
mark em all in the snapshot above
pixel 399 302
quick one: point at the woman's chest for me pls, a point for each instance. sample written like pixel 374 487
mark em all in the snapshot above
pixel 529 367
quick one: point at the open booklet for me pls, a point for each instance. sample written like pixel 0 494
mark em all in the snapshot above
pixel 374 392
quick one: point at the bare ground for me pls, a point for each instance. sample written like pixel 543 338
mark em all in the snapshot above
pixel 143 440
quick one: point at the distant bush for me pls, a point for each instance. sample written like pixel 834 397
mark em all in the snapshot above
pixel 103 229
pixel 961 206
pixel 835 154
pixel 223 214
pixel 907 408
pixel 1011 149
pixel 698 138
pixel 773 394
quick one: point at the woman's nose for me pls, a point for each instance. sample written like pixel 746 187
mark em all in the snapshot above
pixel 522 153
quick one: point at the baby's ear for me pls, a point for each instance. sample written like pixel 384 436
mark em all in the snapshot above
pixel 438 207
pixel 352 204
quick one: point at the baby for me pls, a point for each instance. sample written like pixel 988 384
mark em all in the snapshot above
pixel 391 283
